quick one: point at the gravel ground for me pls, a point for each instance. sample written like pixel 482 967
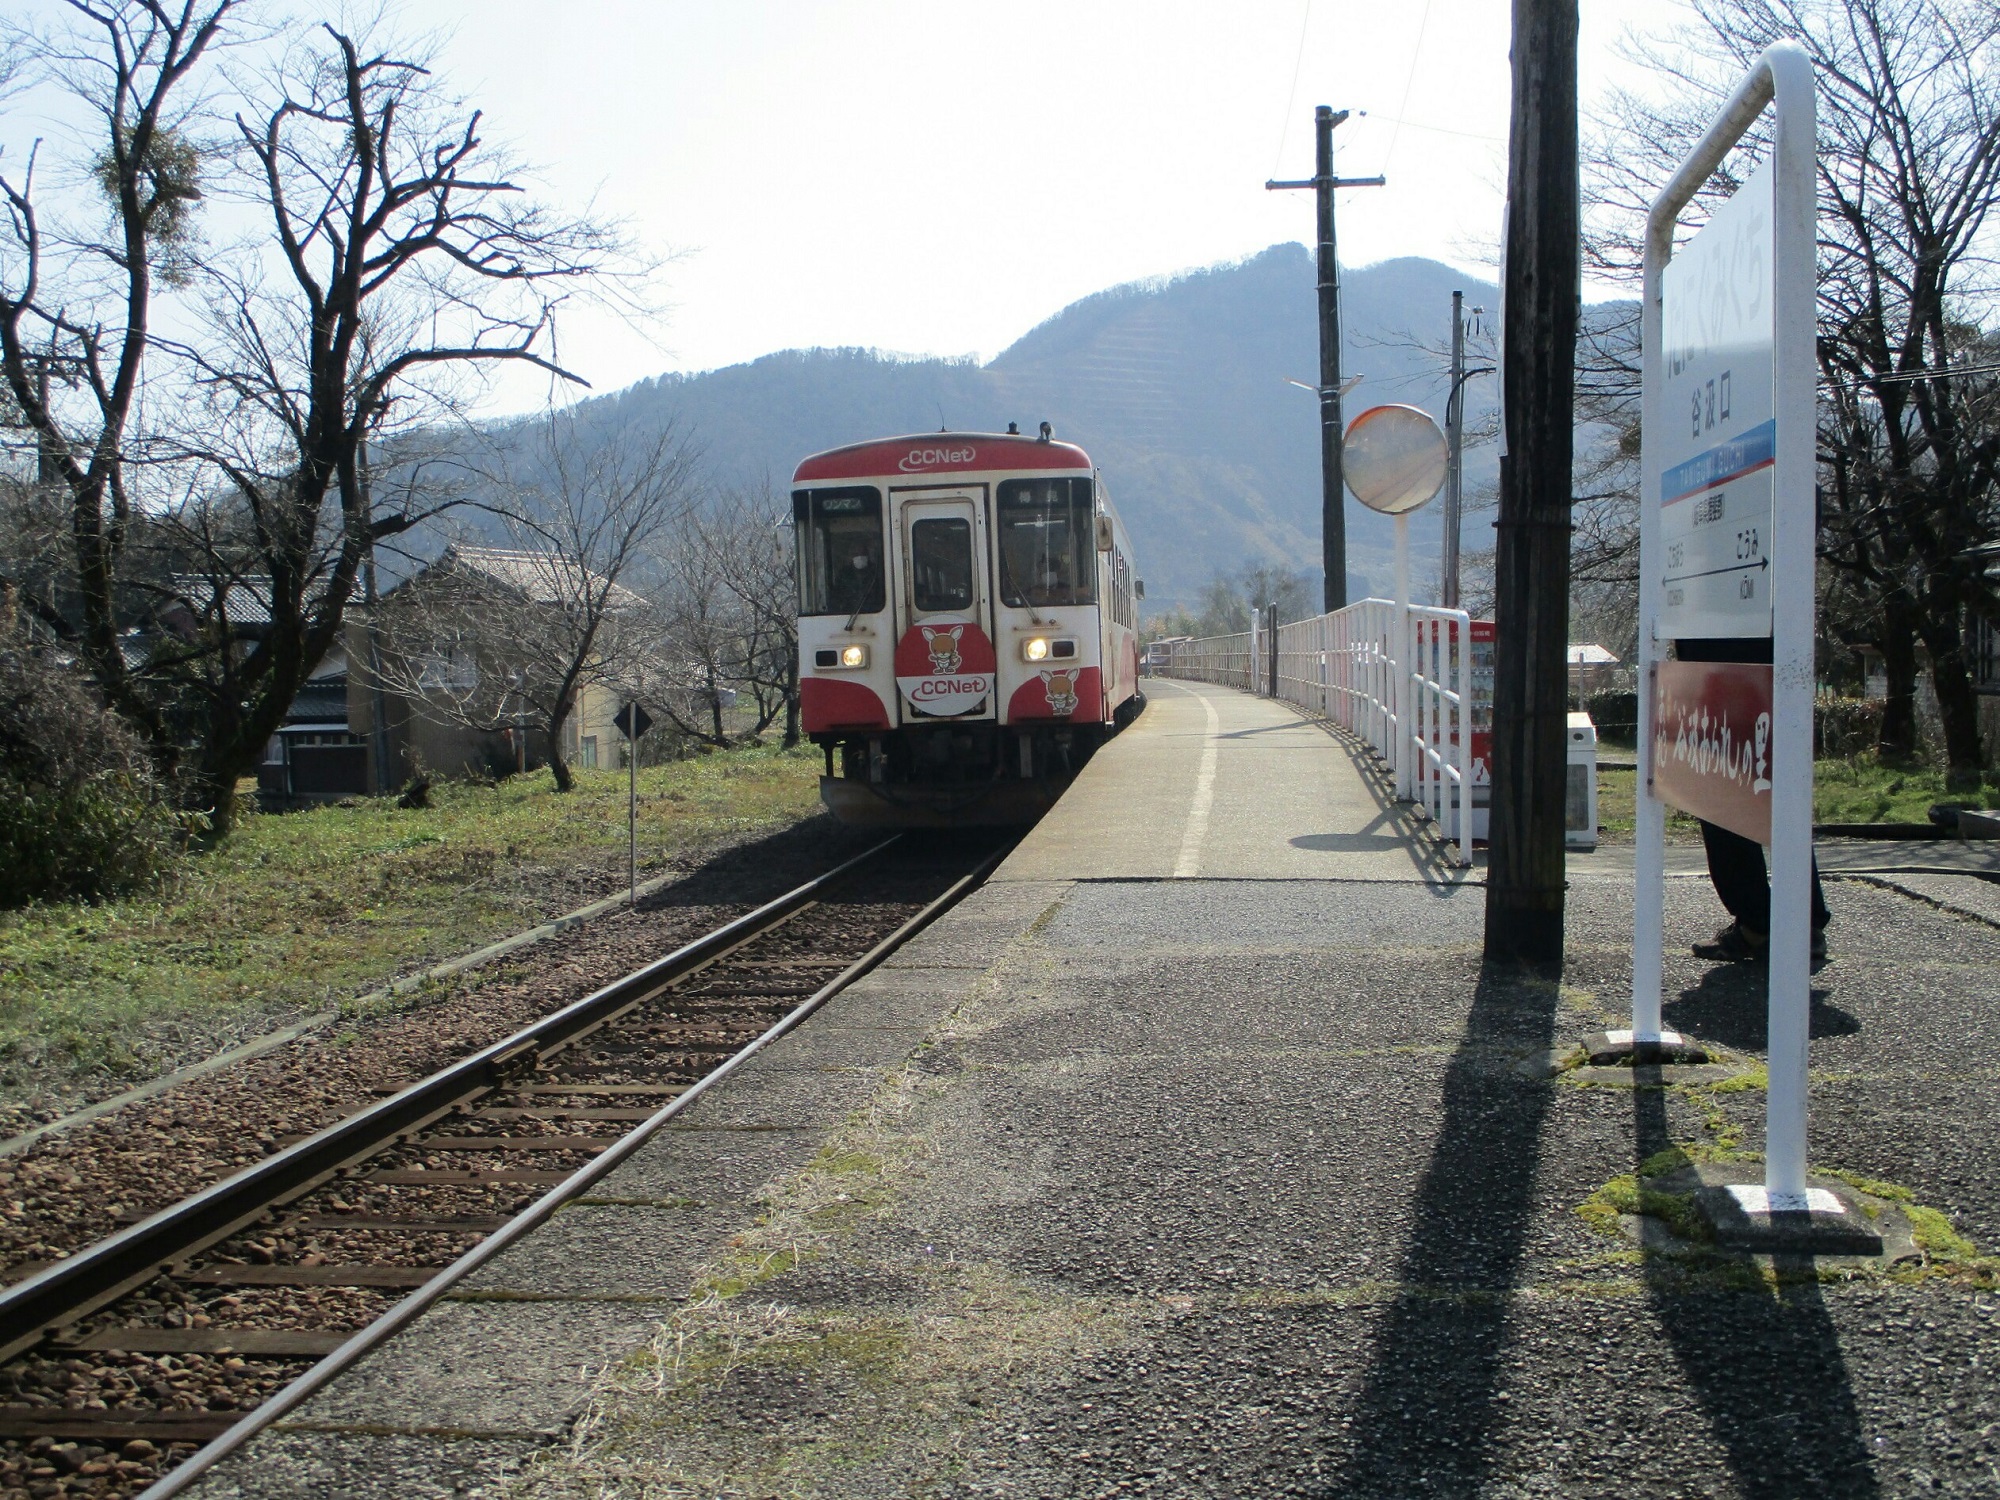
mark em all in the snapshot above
pixel 77 1186
pixel 669 1042
pixel 1227 1188
pixel 73 1188
pixel 734 870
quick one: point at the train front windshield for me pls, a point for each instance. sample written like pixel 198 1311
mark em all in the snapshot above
pixel 840 550
pixel 1048 544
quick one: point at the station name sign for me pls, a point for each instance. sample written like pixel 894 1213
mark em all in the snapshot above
pixel 1719 438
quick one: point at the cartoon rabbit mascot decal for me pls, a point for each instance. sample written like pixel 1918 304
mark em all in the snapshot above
pixel 943 646
pixel 1061 688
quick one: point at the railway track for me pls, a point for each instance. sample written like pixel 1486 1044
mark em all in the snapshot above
pixel 119 1361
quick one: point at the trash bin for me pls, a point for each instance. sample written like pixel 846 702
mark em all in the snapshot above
pixel 1580 794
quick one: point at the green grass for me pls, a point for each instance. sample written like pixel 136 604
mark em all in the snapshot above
pixel 1863 789
pixel 1851 789
pixel 1615 789
pixel 296 911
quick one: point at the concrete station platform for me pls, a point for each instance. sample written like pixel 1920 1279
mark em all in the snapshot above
pixel 1197 1153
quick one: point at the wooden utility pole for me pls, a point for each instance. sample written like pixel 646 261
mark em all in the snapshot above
pixel 1524 878
pixel 1333 485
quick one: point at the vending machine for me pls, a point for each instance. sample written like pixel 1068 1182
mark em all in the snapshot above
pixel 1480 712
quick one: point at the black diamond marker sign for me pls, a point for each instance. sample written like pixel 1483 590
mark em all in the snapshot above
pixel 632 721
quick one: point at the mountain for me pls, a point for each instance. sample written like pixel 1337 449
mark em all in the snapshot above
pixel 1176 387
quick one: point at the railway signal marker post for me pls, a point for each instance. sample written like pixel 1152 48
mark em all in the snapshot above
pixel 632 721
pixel 1727 523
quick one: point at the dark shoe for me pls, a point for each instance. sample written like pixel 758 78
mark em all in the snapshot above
pixel 1735 944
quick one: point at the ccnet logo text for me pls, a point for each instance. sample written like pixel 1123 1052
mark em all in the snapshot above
pixel 933 458
pixel 938 689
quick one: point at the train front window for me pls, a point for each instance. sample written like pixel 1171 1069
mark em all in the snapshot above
pixel 941 564
pixel 1048 548
pixel 840 550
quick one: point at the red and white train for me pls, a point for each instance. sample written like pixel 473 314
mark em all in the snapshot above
pixel 967 624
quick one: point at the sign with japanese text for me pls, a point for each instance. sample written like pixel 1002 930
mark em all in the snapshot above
pixel 1712 743
pixel 1719 438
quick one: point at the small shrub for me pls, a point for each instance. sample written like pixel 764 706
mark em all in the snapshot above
pixel 103 836
pixel 81 815
pixel 1846 726
pixel 1841 726
pixel 1615 714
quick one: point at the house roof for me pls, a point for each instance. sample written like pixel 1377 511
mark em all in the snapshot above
pixel 243 601
pixel 1592 655
pixel 540 577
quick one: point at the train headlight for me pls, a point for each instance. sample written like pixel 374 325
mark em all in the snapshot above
pixel 854 656
pixel 1035 648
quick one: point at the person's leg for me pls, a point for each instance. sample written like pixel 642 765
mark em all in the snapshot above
pixel 1820 915
pixel 1736 865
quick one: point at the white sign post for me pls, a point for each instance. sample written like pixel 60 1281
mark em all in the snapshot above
pixel 1396 461
pixel 1727 523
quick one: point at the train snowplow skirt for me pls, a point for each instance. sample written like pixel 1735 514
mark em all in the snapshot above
pixel 998 804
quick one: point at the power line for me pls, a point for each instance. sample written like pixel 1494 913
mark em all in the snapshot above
pixel 1416 56
pixel 1298 62
pixel 1470 135
pixel 1939 372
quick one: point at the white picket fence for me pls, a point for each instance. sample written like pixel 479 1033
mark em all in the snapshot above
pixel 1226 660
pixel 1398 679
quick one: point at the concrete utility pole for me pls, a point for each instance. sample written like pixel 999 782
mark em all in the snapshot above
pixel 1524 878
pixel 1454 437
pixel 1333 496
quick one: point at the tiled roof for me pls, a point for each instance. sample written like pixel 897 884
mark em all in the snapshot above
pixel 542 577
pixel 245 601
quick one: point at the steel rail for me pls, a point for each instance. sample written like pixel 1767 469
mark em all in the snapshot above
pixel 40 1307
pixel 413 1306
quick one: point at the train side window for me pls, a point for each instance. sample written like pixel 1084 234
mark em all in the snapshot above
pixel 941 564
pixel 1048 554
pixel 840 550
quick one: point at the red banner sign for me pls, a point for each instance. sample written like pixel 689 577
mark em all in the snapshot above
pixel 1712 743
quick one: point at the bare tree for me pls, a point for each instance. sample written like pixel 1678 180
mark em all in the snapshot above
pixel 1227 599
pixel 725 590
pixel 1909 176
pixel 550 615
pixel 396 258
pixel 76 307
pixel 701 629
pixel 747 537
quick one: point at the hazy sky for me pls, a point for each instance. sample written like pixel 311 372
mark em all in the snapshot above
pixel 938 177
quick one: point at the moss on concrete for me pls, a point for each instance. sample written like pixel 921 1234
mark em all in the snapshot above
pixel 1754 1079
pixel 1935 1236
pixel 1629 1196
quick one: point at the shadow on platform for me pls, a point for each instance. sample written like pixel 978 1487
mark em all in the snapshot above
pixel 1764 1362
pixel 1426 1415
pixel 1731 1005
pixel 1435 859
pixel 1349 843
